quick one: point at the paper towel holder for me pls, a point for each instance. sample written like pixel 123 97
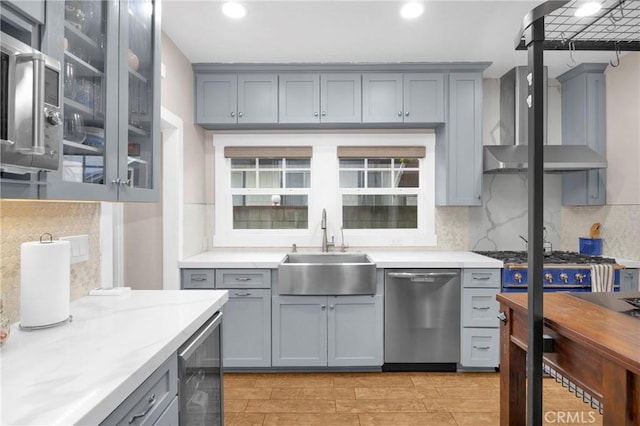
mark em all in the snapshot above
pixel 42 236
pixel 46 238
pixel 42 327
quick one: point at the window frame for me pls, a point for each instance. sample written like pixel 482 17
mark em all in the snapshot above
pixel 325 174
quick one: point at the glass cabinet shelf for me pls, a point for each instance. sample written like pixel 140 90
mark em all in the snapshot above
pixel 77 148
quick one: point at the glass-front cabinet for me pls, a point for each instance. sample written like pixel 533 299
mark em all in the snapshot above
pixel 111 113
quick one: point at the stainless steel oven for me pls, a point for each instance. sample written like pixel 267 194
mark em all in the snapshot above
pixel 30 108
pixel 200 376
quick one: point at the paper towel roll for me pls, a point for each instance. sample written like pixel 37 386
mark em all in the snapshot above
pixel 44 283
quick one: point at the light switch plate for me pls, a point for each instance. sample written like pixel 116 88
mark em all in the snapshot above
pixel 79 247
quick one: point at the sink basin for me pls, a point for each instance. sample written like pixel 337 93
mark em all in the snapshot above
pixel 327 274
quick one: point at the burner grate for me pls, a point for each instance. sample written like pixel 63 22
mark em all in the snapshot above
pixel 556 257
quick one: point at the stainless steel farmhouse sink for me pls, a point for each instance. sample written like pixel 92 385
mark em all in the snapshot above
pixel 327 274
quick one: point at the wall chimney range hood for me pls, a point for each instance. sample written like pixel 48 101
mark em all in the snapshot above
pixel 511 156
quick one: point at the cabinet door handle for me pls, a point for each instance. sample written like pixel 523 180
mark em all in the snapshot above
pixel 482 348
pixel 315 114
pixel 406 113
pixel 324 113
pixel 482 308
pixel 198 278
pixel 331 306
pixel 151 401
pixel 116 181
pixel 399 113
pixel 240 114
pixel 243 294
pixel 323 306
pixel 233 114
pixel 243 279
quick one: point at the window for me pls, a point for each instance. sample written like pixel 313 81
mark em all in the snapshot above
pixel 270 193
pixel 378 189
pixel 379 192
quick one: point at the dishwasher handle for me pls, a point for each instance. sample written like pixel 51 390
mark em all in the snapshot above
pixel 427 277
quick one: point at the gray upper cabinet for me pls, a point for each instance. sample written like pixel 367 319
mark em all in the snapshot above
pixel 382 98
pixel 34 10
pixel 459 144
pixel 403 98
pixel 340 98
pixel 236 98
pixel 217 100
pixel 299 98
pixel 584 123
pixel 257 98
pixel 111 62
pixel 320 98
pixel 423 98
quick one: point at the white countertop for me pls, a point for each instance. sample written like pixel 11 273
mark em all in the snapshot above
pixel 401 258
pixel 80 372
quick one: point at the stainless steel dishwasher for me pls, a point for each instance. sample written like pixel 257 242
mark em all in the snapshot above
pixel 421 319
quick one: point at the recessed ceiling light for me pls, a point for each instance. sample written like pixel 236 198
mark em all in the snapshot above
pixel 411 10
pixel 588 9
pixel 234 10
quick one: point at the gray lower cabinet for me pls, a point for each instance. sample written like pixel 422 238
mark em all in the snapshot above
pixel 147 404
pixel 584 123
pixel 317 331
pixel 246 334
pixel 171 416
pixel 629 280
pixel 355 330
pixel 459 144
pixel 403 98
pixel 299 327
pixel 236 98
pixel 480 337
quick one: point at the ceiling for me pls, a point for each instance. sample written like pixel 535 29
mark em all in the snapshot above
pixel 302 31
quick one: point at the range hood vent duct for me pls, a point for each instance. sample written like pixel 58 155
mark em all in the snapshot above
pixel 511 156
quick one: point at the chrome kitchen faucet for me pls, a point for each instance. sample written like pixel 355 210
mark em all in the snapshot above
pixel 323 225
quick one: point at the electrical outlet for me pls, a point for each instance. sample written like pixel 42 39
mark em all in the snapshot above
pixel 79 247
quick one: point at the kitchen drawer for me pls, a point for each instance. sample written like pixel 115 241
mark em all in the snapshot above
pixel 171 416
pixel 198 278
pixel 479 307
pixel 481 278
pixel 148 402
pixel 480 347
pixel 243 278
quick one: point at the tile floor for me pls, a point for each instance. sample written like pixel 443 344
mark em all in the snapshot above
pixel 393 399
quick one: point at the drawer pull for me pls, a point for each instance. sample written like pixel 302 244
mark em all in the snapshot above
pixel 198 278
pixel 480 277
pixel 152 401
pixel 244 279
pixel 242 294
pixel 482 308
pixel 482 348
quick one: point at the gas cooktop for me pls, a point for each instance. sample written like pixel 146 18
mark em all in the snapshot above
pixel 556 257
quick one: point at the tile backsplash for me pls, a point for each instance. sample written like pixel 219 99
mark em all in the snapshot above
pixel 619 230
pixel 23 221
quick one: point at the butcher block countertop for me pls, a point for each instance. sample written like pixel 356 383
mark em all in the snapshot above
pixel 597 348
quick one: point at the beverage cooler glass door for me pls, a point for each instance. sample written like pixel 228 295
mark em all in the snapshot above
pixel 85 60
pixel 200 375
pixel 136 172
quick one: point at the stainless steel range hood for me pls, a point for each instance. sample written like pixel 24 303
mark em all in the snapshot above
pixel 511 156
pixel 557 158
